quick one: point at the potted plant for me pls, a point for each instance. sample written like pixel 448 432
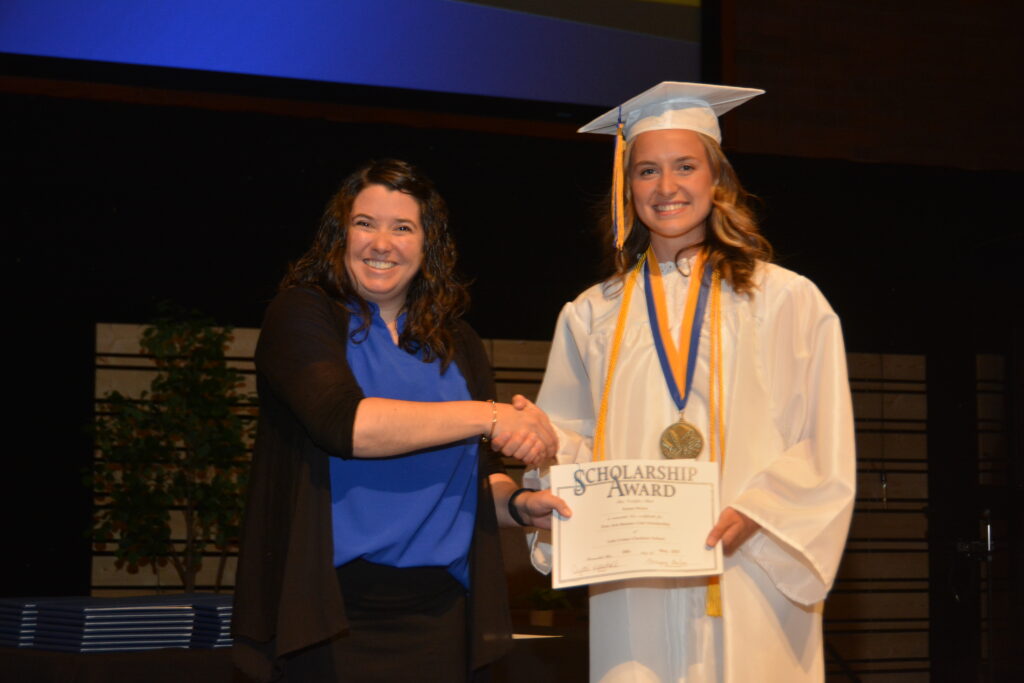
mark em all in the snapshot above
pixel 543 603
pixel 179 448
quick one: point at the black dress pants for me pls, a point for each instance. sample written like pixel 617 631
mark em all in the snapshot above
pixel 406 624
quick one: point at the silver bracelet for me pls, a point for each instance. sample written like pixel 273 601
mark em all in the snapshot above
pixel 494 421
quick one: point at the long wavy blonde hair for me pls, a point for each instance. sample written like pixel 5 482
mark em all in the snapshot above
pixel 732 237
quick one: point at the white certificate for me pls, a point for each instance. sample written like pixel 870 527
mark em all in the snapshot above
pixel 634 519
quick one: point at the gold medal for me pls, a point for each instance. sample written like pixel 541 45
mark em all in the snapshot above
pixel 681 440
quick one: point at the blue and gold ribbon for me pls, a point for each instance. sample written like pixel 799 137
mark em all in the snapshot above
pixel 677 367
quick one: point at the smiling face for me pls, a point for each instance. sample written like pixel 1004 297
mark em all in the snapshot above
pixel 384 246
pixel 671 183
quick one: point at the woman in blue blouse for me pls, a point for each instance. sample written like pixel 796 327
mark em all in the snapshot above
pixel 370 548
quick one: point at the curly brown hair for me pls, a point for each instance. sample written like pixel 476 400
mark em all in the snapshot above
pixel 437 298
pixel 733 238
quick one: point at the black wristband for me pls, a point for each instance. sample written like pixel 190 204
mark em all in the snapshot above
pixel 513 513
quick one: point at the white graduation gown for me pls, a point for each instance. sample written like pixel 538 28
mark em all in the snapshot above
pixel 789 465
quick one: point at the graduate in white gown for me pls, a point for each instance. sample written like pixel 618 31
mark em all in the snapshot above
pixel 769 395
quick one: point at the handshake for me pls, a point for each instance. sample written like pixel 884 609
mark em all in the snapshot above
pixel 522 431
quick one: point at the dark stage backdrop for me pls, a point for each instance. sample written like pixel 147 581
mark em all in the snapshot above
pixel 111 207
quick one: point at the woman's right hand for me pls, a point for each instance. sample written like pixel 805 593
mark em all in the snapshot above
pixel 524 432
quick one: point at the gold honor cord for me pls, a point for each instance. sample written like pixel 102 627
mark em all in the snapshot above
pixel 716 423
pixel 620 326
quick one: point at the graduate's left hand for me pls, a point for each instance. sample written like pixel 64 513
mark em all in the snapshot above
pixel 536 508
pixel 733 529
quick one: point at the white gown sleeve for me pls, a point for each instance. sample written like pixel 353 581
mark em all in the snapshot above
pixel 803 499
pixel 565 397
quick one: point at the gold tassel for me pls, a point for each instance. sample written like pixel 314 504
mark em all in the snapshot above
pixel 619 188
pixel 713 601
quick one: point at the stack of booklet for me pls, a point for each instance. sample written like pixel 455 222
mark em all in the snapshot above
pixel 116 624
pixel 213 621
pixel 18 621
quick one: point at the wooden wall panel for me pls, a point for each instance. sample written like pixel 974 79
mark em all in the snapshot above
pixel 898 484
pixel 909 448
pixel 518 366
pixel 881 564
pixel 877 617
pixel 872 81
pixel 896 645
pixel 106 576
pixel 888 524
pixel 878 606
pixel 518 354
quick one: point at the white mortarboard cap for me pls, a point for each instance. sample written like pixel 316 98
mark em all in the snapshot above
pixel 673 105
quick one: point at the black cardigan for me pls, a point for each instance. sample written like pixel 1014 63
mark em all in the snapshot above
pixel 286 595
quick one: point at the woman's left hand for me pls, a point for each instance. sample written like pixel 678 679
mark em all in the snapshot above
pixel 733 529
